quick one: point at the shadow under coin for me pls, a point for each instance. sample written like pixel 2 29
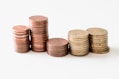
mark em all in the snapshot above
pixel 114 52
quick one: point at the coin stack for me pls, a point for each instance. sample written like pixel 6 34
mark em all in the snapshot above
pixel 21 35
pixel 39 32
pixel 57 47
pixel 98 40
pixel 78 42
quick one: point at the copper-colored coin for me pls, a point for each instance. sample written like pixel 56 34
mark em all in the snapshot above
pixel 22 50
pixel 20 28
pixel 39 38
pixel 38 48
pixel 39 26
pixel 58 50
pixel 39 30
pixel 57 53
pixel 22 41
pixel 39 35
pixel 57 47
pixel 22 46
pixel 38 20
pixel 21 35
pixel 54 47
pixel 38 42
pixel 57 42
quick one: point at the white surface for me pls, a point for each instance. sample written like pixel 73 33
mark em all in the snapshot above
pixel 63 15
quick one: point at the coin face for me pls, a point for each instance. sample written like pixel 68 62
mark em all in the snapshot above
pixel 20 28
pixel 39 18
pixel 57 42
pixel 77 33
pixel 38 21
pixel 97 31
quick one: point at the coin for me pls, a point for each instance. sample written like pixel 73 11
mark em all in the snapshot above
pixel 20 29
pixel 78 42
pixel 39 32
pixel 98 40
pixel 21 38
pixel 57 47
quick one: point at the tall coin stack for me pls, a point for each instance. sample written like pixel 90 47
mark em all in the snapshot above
pixel 57 47
pixel 98 40
pixel 78 42
pixel 21 35
pixel 39 32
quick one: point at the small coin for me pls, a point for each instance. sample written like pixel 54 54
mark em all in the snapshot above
pixel 57 47
pixel 20 29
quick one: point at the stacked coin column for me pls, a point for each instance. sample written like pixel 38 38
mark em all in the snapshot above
pixel 21 35
pixel 78 42
pixel 57 47
pixel 98 40
pixel 39 33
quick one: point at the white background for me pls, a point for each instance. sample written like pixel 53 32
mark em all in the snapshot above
pixel 63 16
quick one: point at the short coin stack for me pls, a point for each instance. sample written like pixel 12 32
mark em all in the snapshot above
pixel 39 32
pixel 21 35
pixel 57 47
pixel 78 42
pixel 98 40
